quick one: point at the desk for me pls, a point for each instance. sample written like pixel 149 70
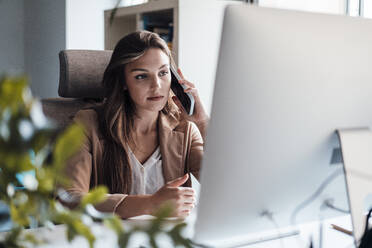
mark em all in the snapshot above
pixel 331 238
pixel 106 238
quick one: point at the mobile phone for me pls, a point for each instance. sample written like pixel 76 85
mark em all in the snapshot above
pixel 186 99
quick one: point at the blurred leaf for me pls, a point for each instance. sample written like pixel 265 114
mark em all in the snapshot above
pixel 11 93
pixel 32 239
pixel 12 238
pixel 46 179
pixel 123 239
pixel 16 162
pixel 84 230
pixel 97 215
pixel 176 236
pixel 152 241
pixel 115 224
pixel 75 226
pixel 68 144
pixel 19 215
pixel 71 233
pixel 95 196
pixel 41 139
pixel 164 212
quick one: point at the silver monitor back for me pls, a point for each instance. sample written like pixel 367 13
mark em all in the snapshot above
pixel 285 82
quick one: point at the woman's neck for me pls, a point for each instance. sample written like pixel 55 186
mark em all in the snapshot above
pixel 145 122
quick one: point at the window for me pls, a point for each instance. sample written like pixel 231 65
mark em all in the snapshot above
pixel 350 7
pixel 367 8
pixel 328 6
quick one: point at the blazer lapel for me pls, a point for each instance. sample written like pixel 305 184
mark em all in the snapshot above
pixel 171 147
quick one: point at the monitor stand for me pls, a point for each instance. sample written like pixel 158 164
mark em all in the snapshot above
pixel 356 147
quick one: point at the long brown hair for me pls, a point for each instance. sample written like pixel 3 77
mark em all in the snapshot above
pixel 117 115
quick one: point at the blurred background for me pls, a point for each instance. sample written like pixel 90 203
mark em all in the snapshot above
pixel 32 32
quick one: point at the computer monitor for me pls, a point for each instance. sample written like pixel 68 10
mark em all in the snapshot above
pixel 286 80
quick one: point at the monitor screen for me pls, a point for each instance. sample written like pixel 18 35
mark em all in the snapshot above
pixel 286 81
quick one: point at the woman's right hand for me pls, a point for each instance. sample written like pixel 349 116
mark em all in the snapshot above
pixel 181 198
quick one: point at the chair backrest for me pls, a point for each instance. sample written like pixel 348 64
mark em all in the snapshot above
pixel 80 84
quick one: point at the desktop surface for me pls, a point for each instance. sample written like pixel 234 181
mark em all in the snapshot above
pixel 56 238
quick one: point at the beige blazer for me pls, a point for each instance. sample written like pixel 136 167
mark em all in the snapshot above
pixel 181 146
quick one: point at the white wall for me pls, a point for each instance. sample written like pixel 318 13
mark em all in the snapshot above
pixel 367 9
pixel 199 40
pixel 44 37
pixel 11 41
pixel 85 22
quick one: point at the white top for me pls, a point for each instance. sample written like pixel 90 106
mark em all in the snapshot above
pixel 147 178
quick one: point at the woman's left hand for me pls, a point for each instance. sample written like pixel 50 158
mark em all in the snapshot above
pixel 199 117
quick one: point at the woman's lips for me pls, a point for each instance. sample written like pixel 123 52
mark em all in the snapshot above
pixel 155 98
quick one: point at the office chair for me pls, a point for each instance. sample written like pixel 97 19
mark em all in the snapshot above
pixel 80 84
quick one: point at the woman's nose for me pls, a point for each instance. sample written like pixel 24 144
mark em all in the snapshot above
pixel 156 82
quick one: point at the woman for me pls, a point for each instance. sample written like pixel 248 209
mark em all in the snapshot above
pixel 141 144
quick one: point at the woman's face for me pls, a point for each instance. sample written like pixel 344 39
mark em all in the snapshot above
pixel 148 80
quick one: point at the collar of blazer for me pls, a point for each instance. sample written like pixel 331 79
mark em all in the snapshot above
pixel 171 146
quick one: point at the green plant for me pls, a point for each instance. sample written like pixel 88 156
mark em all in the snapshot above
pixel 31 147
pixel 155 228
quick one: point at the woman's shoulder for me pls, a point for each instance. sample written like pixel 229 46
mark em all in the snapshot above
pixel 186 126
pixel 88 118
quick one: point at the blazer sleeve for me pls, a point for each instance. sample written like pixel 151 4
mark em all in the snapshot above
pixel 79 167
pixel 196 150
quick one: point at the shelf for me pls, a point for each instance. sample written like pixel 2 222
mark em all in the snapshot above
pixel 155 16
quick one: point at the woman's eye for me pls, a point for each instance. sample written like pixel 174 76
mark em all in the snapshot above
pixel 140 76
pixel 163 73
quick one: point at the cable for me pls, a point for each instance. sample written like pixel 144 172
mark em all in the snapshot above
pixel 320 189
pixel 270 216
pixel 328 203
